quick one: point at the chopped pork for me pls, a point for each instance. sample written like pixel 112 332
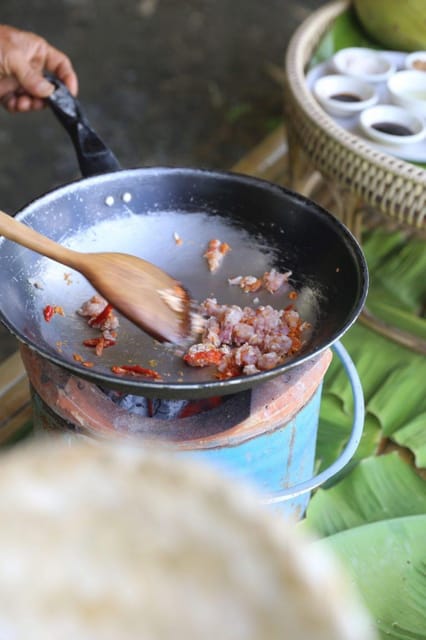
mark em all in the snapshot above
pixel 100 316
pixel 244 341
pixel 216 251
pixel 272 281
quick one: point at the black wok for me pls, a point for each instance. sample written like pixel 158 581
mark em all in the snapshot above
pixel 138 211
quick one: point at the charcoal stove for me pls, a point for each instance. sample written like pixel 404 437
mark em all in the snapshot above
pixel 265 435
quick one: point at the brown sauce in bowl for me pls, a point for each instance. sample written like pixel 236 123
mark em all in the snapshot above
pixel 393 128
pixel 345 97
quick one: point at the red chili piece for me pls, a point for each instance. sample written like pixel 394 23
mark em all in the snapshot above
pixel 48 312
pixel 136 370
pixel 102 317
pixel 99 344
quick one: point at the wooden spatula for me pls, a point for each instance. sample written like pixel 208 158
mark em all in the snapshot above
pixel 142 292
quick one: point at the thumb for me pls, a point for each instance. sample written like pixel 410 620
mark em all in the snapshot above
pixel 29 78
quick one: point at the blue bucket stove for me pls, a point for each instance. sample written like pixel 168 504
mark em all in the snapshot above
pixel 265 436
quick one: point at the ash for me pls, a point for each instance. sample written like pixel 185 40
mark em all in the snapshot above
pixel 147 407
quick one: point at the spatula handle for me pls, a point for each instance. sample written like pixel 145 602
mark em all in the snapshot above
pixel 31 239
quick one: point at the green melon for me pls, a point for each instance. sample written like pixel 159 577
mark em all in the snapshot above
pixel 395 24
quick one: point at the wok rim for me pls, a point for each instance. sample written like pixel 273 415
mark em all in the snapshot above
pixel 208 388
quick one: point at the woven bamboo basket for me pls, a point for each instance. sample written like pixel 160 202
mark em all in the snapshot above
pixel 388 184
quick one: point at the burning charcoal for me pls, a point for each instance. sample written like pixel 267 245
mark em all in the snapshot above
pixel 168 409
pixel 147 407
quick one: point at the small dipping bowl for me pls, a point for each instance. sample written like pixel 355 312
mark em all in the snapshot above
pixel 362 63
pixel 392 125
pixel 408 89
pixel 416 60
pixel 344 96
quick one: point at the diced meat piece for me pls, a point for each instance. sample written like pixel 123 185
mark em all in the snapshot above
pixel 292 318
pixel 274 280
pixel 210 307
pixel 281 343
pixel 230 318
pixel 268 361
pixel 211 332
pixel 246 354
pixel 176 237
pixel 216 251
pixel 232 315
pixel 244 341
pixel 249 284
pixel 242 332
pixel 100 315
pixel 92 307
pixel 250 370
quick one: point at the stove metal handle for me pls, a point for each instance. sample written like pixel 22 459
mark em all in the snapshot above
pixel 351 446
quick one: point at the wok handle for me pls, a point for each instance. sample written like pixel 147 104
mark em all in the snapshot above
pixel 94 157
pixel 351 445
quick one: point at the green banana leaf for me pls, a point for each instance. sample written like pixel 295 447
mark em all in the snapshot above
pixel 375 521
pixel 398 263
pixel 398 285
pixel 378 488
pixel 392 378
pixel 391 375
pixel 335 427
pixel 384 307
pixel 345 32
pixel 387 561
pixel 378 244
pixel 412 436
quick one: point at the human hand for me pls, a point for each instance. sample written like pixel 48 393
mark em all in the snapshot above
pixel 24 56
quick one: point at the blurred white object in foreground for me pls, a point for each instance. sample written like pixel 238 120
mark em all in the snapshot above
pixel 101 543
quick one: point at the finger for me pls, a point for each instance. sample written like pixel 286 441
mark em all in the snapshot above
pixel 8 85
pixel 9 102
pixel 37 104
pixel 30 78
pixel 23 104
pixel 58 63
pixel 26 103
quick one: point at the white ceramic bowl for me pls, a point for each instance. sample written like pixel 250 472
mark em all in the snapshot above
pixel 408 89
pixel 381 123
pixel 344 96
pixel 416 60
pixel 366 64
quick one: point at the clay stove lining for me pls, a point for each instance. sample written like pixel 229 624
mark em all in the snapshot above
pixel 241 417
